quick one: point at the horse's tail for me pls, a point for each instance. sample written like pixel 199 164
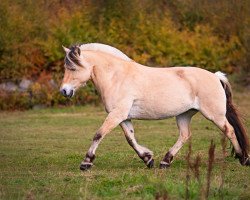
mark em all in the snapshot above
pixel 234 118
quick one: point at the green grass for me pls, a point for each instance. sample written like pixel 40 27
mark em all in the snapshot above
pixel 41 150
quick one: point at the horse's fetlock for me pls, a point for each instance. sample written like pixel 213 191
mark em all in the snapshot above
pixel 89 158
pixel 146 159
pixel 146 155
pixel 168 158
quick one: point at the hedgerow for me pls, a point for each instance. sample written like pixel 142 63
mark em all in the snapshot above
pixel 166 33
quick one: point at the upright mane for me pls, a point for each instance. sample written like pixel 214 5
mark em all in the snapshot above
pixel 72 57
pixel 106 49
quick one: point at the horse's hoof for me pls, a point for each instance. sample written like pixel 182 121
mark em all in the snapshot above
pixel 85 167
pixel 244 161
pixel 164 165
pixel 150 164
pixel 247 162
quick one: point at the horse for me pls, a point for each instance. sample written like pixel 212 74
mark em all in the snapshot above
pixel 130 91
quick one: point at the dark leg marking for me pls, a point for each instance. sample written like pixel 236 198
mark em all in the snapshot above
pixel 89 158
pixel 97 137
pixel 166 161
pixel 147 159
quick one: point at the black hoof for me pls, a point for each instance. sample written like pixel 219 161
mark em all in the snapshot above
pixel 164 166
pixel 85 167
pixel 247 162
pixel 151 163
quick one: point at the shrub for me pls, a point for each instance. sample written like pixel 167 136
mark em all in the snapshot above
pixel 166 33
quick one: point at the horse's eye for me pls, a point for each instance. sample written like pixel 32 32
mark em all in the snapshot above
pixel 71 69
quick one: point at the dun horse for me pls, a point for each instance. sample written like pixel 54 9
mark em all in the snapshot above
pixel 133 91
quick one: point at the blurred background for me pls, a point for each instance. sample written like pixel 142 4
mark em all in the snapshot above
pixel 214 35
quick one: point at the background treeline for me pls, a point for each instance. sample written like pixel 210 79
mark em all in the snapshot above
pixel 214 35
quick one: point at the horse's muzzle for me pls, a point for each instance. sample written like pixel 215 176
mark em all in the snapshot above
pixel 67 93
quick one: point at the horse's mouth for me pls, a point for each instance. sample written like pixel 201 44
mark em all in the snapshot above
pixel 71 94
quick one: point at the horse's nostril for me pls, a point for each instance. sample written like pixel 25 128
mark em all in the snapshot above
pixel 63 91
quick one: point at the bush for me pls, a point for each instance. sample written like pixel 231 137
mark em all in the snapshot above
pixel 166 33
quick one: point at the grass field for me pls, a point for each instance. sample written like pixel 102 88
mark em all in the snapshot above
pixel 41 150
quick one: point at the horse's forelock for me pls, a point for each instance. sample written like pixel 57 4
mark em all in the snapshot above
pixel 72 58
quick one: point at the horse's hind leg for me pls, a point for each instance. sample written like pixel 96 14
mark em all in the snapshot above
pixel 183 123
pixel 228 130
pixel 218 117
pixel 145 154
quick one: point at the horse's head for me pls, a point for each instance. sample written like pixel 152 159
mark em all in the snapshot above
pixel 77 71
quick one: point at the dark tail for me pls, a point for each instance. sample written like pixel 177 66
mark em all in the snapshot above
pixel 234 119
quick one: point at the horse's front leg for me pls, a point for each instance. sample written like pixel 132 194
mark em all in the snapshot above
pixel 113 119
pixel 145 154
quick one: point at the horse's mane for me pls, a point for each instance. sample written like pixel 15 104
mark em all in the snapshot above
pixel 72 57
pixel 106 49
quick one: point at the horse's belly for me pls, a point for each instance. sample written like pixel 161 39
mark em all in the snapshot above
pixel 142 110
pixel 142 113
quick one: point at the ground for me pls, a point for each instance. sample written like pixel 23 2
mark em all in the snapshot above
pixel 41 151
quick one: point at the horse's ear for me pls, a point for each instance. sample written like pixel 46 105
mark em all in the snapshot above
pixel 66 49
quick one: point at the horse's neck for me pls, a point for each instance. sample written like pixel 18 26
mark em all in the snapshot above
pixel 104 72
pixel 101 79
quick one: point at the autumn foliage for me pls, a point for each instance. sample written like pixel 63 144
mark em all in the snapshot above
pixel 213 35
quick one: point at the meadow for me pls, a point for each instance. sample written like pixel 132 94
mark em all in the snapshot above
pixel 41 150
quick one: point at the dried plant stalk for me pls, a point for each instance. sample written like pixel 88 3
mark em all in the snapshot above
pixel 210 166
